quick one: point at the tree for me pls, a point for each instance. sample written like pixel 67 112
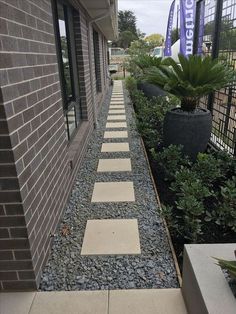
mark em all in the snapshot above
pixel 175 35
pixel 139 46
pixel 127 22
pixel 154 40
pixel 125 39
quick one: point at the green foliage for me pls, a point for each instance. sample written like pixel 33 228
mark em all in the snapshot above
pixel 194 78
pixel 230 266
pixel 131 84
pixel 170 159
pixel 154 40
pixel 150 116
pixel 125 39
pixel 127 22
pixel 175 35
pixel 208 168
pixel 145 62
pixel 191 193
pixel 226 211
pixel 204 192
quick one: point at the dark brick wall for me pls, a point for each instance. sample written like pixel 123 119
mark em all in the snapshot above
pixel 37 166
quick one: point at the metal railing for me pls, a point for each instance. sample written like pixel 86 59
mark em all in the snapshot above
pixel 219 41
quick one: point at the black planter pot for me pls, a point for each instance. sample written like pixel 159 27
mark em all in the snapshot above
pixel 190 129
pixel 150 90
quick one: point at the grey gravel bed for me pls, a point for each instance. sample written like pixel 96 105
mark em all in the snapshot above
pixel 66 269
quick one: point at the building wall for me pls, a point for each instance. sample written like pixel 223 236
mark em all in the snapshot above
pixel 37 164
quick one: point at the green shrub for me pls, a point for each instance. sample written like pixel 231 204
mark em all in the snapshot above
pixel 171 159
pixel 225 213
pixel 150 116
pixel 131 84
pixel 208 168
pixel 204 192
pixel 190 195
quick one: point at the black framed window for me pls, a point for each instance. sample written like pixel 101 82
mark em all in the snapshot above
pixel 97 60
pixel 65 43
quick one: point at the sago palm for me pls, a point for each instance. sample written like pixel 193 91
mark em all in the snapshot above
pixel 193 78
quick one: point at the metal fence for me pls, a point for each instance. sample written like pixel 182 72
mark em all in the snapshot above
pixel 220 42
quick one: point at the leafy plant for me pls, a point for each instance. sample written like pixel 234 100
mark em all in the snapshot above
pixel 191 193
pixel 226 210
pixel 131 84
pixel 230 266
pixel 192 79
pixel 145 62
pixel 208 168
pixel 171 159
pixel 150 116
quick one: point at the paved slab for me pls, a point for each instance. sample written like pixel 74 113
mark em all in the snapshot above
pixel 111 125
pixel 16 302
pixel 150 301
pixel 115 111
pixel 117 107
pixel 110 165
pixel 113 192
pixel 73 302
pixel 117 102
pixel 111 237
pixel 115 134
pixel 116 118
pixel 115 147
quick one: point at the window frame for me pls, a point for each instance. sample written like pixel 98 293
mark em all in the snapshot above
pixel 75 100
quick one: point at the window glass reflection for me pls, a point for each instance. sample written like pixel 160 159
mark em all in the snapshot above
pixel 65 52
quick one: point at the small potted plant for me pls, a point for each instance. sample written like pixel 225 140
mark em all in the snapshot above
pixel 195 77
pixel 230 267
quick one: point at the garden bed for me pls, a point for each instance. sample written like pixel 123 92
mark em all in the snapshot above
pixel 198 198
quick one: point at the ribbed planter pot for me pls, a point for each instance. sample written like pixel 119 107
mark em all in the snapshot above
pixel 190 129
pixel 150 90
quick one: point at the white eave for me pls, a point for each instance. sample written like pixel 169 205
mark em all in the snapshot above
pixel 106 12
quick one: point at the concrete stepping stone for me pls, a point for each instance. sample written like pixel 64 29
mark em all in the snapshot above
pixel 149 301
pixel 116 165
pixel 116 111
pixel 117 107
pixel 117 103
pixel 111 237
pixel 70 302
pixel 111 125
pixel 115 147
pixel 16 302
pixel 117 117
pixel 113 192
pixel 115 134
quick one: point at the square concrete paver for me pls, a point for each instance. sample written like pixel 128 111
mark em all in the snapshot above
pixel 105 192
pixel 118 107
pixel 115 147
pixel 115 111
pixel 117 103
pixel 111 125
pixel 115 134
pixel 16 302
pixel 70 302
pixel 149 301
pixel 116 117
pixel 110 237
pixel 109 165
pixel 117 99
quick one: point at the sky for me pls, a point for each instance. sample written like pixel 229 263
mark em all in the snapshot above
pixel 152 15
